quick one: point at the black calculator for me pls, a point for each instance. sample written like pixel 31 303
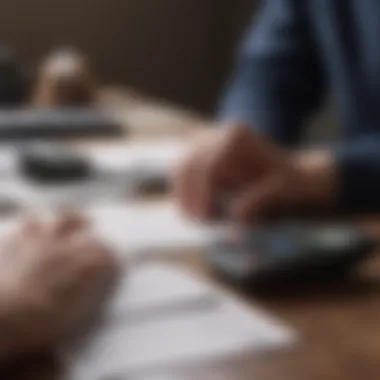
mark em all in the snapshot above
pixel 288 251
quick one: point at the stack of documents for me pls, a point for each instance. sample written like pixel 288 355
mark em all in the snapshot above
pixel 119 171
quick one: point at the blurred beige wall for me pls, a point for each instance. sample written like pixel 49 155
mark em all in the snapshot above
pixel 178 49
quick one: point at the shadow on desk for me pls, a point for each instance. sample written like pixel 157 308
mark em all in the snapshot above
pixel 44 366
pixel 363 281
pixel 350 287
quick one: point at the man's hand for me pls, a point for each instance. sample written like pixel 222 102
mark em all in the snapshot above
pixel 258 177
pixel 50 275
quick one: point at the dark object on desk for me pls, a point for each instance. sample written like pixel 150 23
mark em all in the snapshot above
pixel 289 252
pixel 14 81
pixel 50 164
pixel 26 124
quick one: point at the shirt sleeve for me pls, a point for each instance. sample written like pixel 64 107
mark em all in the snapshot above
pixel 277 80
pixel 358 164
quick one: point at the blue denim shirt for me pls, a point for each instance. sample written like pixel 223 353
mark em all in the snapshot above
pixel 294 52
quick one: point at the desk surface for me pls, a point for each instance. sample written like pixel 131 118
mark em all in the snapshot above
pixel 340 333
pixel 339 326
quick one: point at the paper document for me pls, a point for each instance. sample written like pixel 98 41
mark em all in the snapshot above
pixel 27 194
pixel 119 171
pixel 127 153
pixel 179 336
pixel 138 159
pixel 149 227
pixel 8 161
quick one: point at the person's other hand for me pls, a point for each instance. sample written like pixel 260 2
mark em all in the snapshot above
pixel 51 273
pixel 258 177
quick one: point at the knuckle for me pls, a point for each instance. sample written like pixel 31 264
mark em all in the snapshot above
pixel 98 259
pixel 211 168
pixel 184 171
pixel 183 167
pixel 237 134
pixel 215 163
pixel 68 222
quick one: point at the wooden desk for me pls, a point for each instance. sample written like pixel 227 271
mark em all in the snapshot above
pixel 340 333
pixel 339 326
pixel 150 118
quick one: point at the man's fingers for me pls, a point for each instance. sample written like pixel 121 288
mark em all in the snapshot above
pixel 205 186
pixel 258 200
pixel 82 260
pixel 68 223
pixel 215 171
pixel 222 161
pixel 21 235
pixel 31 227
pixel 184 184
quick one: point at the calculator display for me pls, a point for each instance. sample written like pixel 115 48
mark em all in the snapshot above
pixel 290 244
pixel 333 238
pixel 288 248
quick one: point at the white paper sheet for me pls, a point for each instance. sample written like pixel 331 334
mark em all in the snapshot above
pixel 8 161
pixel 27 194
pixel 143 157
pixel 149 227
pixel 120 170
pixel 138 289
pixel 178 336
